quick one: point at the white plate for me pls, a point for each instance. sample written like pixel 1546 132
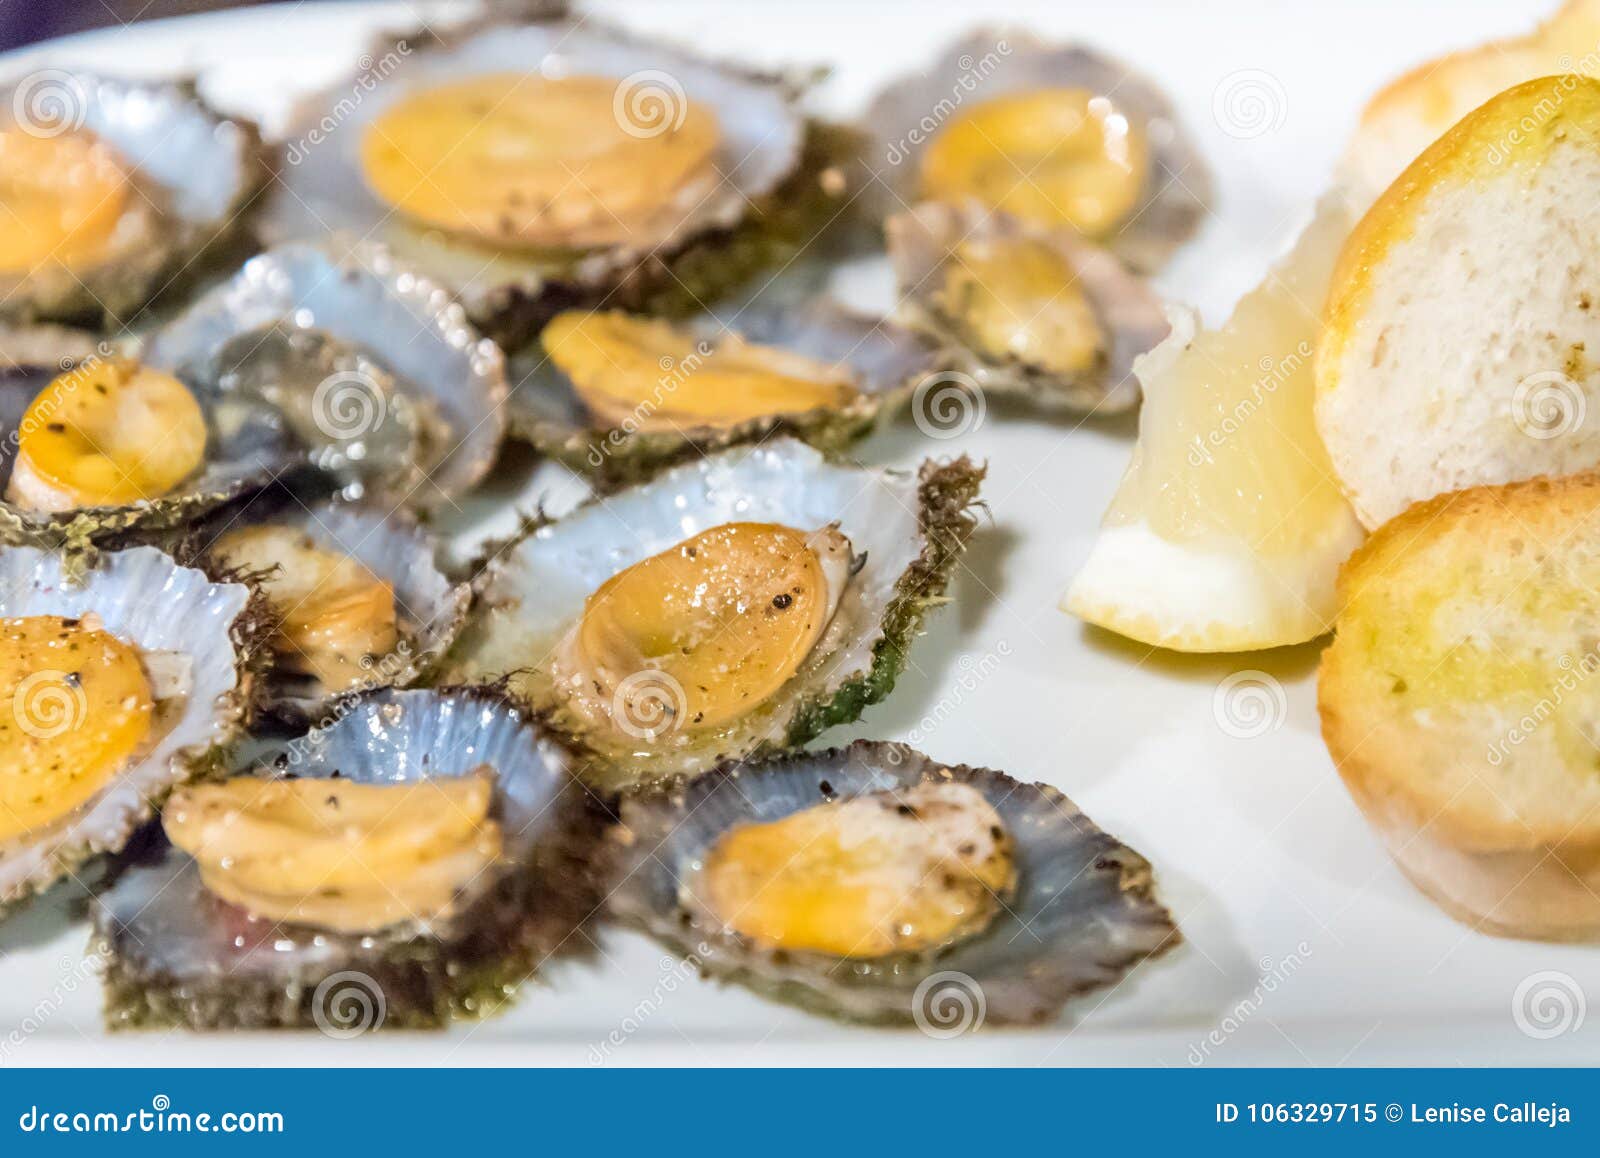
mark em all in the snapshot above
pixel 1303 941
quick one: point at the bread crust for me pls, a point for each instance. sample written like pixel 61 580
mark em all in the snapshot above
pixel 1421 776
pixel 1420 104
pixel 1455 154
pixel 1383 285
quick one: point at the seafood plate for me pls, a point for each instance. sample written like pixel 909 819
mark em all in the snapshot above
pixel 382 733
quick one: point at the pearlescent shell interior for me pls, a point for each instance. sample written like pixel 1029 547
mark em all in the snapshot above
pixel 1083 913
pixel 149 601
pixel 171 139
pixel 407 322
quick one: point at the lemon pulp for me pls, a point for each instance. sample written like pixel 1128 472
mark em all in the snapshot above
pixel 1228 445
pixel 1228 529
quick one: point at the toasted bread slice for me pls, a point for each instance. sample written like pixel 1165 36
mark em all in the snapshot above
pixel 1414 110
pixel 1463 318
pixel 1460 700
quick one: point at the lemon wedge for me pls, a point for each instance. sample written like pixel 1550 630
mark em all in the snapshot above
pixel 1228 529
